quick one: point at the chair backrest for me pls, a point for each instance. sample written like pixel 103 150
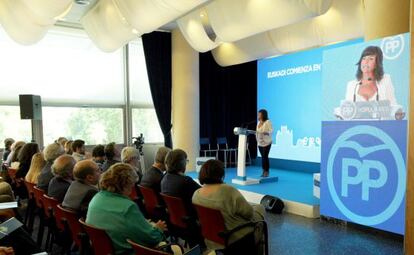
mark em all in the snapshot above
pixel 38 195
pixel 72 219
pixel 212 223
pixel 11 172
pixel 151 199
pixel 101 242
pixel 134 195
pixel 60 219
pixel 204 141
pixel 30 186
pixel 176 210
pixel 142 250
pixel 222 142
pixel 49 205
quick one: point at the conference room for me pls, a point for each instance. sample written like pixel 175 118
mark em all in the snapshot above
pixel 206 127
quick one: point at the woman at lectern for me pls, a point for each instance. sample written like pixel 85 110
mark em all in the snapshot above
pixel 264 132
pixel 371 84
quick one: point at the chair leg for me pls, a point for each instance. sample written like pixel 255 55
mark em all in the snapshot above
pixel 40 231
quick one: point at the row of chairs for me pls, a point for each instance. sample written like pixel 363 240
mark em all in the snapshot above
pixel 64 224
pixel 207 149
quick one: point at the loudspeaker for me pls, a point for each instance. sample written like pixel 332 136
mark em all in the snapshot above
pixel 272 204
pixel 30 107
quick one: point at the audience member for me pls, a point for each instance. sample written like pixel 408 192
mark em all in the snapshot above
pixel 12 160
pixel 152 177
pixel 7 147
pixel 6 192
pixel 25 158
pixel 98 155
pixel 78 148
pixel 68 147
pixel 233 206
pixel 36 165
pixel 62 141
pixel 51 152
pixel 110 153
pixel 62 170
pixel 122 220
pixel 175 182
pixel 82 190
pixel 130 155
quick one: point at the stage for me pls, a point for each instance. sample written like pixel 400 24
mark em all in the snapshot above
pixel 293 187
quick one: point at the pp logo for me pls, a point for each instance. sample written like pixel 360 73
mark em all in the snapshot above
pixel 370 174
pixel 392 46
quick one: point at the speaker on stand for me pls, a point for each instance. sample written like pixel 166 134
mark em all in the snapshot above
pixel 31 108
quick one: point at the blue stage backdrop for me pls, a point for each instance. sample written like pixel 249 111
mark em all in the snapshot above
pixel 290 88
pixel 364 133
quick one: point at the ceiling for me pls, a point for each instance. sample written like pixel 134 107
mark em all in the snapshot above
pixel 80 7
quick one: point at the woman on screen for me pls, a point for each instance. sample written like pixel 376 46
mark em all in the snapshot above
pixel 371 84
pixel 264 131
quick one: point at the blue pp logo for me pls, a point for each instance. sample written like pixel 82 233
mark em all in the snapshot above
pixel 366 180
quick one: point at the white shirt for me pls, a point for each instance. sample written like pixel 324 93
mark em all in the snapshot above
pixel 264 134
pixel 385 91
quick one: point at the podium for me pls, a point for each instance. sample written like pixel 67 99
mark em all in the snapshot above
pixel 241 177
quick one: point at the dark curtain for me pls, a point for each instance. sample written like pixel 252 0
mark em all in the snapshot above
pixel 157 50
pixel 228 98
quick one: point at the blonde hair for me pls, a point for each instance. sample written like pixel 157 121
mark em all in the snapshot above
pixel 118 178
pixel 52 151
pixel 36 166
pixel 128 153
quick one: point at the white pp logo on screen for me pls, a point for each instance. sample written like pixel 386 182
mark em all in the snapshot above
pixel 392 46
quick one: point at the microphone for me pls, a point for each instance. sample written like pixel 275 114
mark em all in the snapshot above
pixel 246 124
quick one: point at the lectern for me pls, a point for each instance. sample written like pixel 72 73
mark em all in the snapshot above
pixel 241 177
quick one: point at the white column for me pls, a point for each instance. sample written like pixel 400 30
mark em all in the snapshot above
pixel 185 97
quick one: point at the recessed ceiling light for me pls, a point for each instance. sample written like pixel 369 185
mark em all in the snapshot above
pixel 83 2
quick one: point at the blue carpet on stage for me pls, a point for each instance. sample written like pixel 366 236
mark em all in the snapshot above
pixel 292 185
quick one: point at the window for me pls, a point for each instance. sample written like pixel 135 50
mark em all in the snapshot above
pixel 12 126
pixel 145 121
pixel 63 68
pixel 93 125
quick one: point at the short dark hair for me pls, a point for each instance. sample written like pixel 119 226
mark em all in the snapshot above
pixel 77 144
pixel 264 114
pixel 176 161
pixel 211 172
pixel 110 150
pixel 379 69
pixel 98 151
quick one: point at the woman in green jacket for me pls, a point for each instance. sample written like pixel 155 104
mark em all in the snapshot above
pixel 112 210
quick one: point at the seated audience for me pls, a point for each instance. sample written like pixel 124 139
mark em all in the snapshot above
pixel 68 147
pixel 81 191
pixel 152 177
pixel 130 155
pixel 6 192
pixel 112 210
pixel 62 170
pixel 51 152
pixel 7 147
pixel 98 155
pixel 12 159
pixel 233 206
pixel 111 153
pixel 175 183
pixel 25 158
pixel 62 141
pixel 78 148
pixel 36 165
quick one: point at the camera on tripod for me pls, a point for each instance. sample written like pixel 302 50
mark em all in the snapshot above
pixel 139 142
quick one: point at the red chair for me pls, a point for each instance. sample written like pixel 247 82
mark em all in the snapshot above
pixel 49 207
pixel 214 229
pixel 142 250
pixel 38 196
pixel 31 206
pixel 182 224
pixel 71 220
pixel 101 242
pixel 153 204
